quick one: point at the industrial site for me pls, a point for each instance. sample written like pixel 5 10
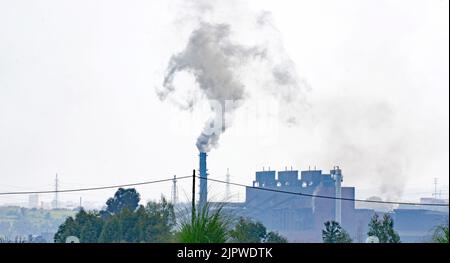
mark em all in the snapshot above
pixel 297 203
pixel 249 124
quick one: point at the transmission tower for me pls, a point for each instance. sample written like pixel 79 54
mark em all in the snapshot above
pixel 174 190
pixel 435 194
pixel 56 192
pixel 227 189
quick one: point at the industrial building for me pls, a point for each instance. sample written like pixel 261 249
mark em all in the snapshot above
pixel 320 197
pixel 301 217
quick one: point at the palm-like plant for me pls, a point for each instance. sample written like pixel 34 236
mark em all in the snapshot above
pixel 441 234
pixel 208 225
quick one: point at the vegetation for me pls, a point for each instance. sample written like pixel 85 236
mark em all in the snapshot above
pixel 212 225
pixel 122 221
pixel 249 231
pixel 274 237
pixel 123 199
pixel 19 222
pixel 334 233
pixel 209 225
pixel 441 234
pixel 86 226
pixel 383 229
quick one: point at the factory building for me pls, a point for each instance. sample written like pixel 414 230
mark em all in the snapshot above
pixel 319 197
pixel 301 217
pixel 302 214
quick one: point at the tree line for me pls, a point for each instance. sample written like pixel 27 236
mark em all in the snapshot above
pixel 125 221
pixel 382 229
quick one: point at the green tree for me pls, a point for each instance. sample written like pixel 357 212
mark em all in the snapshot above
pixel 153 223
pixel 123 198
pixel 161 221
pixel 128 220
pixel 334 233
pixel 250 231
pixel 273 237
pixel 383 229
pixel 68 228
pixel 111 231
pixel 86 226
pixel 91 230
pixel 440 234
pixel 142 224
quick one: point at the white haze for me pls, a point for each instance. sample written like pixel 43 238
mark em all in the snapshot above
pixel 78 78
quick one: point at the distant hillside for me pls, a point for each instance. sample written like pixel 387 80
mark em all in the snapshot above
pixel 21 222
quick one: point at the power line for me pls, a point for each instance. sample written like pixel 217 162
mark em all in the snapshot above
pixel 218 181
pixel 90 188
pixel 323 196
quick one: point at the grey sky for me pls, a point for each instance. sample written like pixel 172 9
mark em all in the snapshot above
pixel 78 78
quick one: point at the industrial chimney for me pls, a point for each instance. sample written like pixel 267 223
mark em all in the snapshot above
pixel 203 180
pixel 337 173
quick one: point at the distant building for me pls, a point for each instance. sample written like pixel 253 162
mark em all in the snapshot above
pixel 299 217
pixel 33 201
pixel 377 207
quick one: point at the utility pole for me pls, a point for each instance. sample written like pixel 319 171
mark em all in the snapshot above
pixel 193 197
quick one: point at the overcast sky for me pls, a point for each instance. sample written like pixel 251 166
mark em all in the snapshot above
pixel 78 80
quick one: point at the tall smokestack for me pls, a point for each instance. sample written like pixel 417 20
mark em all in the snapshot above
pixel 203 180
pixel 338 179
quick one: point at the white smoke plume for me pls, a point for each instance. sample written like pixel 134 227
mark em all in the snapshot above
pixel 215 59
pixel 212 59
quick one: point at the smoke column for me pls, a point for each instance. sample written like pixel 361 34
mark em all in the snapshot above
pixel 215 59
pixel 212 59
